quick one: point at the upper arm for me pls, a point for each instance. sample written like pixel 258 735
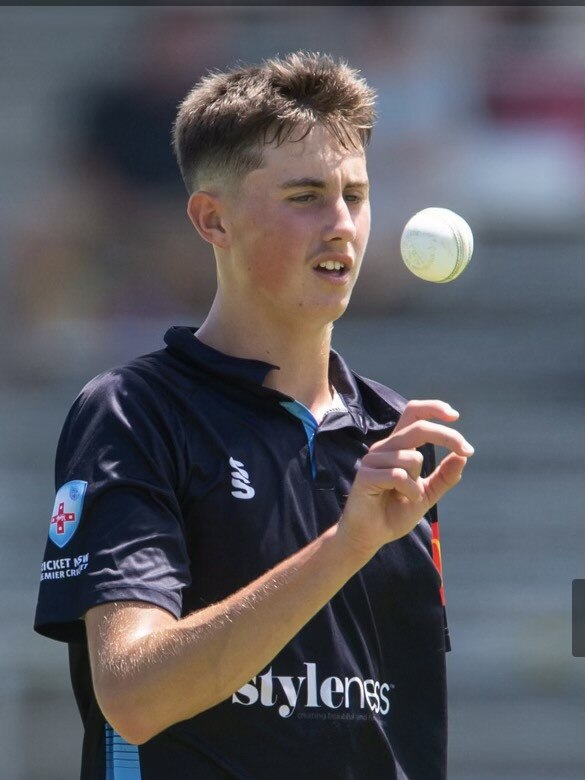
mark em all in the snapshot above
pixel 116 532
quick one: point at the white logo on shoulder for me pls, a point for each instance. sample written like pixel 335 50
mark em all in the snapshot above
pixel 241 481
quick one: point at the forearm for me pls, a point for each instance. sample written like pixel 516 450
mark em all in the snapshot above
pixel 174 673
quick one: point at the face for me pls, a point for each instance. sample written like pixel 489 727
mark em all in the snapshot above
pixel 298 229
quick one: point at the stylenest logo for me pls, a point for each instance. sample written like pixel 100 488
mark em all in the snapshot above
pixel 331 693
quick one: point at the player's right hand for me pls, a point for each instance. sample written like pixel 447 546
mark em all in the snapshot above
pixel 389 497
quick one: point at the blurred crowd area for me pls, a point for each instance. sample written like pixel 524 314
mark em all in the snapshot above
pixel 480 110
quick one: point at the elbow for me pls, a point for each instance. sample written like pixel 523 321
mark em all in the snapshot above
pixel 131 731
pixel 130 719
pixel 138 712
pixel 131 735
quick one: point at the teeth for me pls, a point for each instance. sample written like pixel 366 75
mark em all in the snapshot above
pixel 332 265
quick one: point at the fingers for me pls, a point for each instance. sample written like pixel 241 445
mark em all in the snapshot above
pixel 444 477
pixel 395 464
pixel 410 461
pixel 425 410
pixel 415 429
pixel 425 432
pixel 400 471
pixel 393 470
pixel 375 481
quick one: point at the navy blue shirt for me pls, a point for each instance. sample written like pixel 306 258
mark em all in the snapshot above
pixel 181 478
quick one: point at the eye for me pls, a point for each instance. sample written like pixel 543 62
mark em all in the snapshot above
pixel 302 198
pixel 353 198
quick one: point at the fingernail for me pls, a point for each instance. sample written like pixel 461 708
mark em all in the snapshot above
pixel 452 411
pixel 468 449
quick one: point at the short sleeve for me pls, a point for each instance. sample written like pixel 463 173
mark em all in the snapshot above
pixel 116 528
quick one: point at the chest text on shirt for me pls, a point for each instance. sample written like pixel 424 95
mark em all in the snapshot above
pixel 332 693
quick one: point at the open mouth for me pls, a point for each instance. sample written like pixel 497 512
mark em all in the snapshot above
pixel 332 268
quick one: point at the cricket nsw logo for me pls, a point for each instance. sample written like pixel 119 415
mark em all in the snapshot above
pixel 67 511
pixel 241 481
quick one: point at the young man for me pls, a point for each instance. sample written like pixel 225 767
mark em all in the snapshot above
pixel 243 545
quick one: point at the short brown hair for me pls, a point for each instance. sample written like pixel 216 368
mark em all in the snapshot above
pixel 227 117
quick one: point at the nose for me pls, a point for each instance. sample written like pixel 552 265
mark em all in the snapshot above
pixel 340 223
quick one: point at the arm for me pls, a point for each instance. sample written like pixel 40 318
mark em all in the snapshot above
pixel 150 670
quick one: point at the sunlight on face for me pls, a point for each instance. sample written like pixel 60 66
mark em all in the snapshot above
pixel 305 209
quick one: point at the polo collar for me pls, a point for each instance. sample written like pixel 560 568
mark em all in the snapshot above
pixel 180 341
pixel 367 403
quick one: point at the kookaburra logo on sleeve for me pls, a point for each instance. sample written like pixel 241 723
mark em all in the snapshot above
pixel 67 511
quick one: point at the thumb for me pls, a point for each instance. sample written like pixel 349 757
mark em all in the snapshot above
pixel 444 477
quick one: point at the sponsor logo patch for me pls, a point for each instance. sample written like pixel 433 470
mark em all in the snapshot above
pixel 67 512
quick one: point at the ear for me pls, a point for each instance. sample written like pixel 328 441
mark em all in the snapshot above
pixel 206 213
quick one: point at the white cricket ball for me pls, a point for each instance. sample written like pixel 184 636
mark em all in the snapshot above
pixel 436 244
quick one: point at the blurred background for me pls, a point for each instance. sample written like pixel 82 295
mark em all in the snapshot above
pixel 481 111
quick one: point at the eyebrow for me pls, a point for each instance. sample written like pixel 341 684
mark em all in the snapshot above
pixel 307 181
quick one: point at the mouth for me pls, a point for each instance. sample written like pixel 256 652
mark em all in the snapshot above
pixel 337 267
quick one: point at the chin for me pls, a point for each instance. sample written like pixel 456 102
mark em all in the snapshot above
pixel 332 311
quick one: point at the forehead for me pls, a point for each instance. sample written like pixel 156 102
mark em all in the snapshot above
pixel 318 155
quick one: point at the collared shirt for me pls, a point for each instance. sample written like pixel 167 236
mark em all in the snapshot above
pixel 180 479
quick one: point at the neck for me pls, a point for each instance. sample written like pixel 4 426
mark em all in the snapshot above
pixel 301 350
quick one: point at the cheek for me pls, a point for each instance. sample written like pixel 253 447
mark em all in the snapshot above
pixel 269 274
pixel 363 226
pixel 267 264
pixel 274 253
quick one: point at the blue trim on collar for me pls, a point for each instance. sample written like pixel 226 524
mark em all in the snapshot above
pixel 310 424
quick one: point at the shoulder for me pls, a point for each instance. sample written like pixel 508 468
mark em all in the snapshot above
pixel 142 380
pixel 133 397
pixel 124 415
